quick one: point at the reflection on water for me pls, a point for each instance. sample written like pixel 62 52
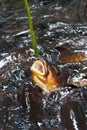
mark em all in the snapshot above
pixel 22 104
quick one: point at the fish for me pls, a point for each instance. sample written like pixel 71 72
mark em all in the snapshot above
pixel 72 57
pixel 68 55
pixel 44 76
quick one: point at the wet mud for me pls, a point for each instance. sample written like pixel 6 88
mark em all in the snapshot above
pixel 60 27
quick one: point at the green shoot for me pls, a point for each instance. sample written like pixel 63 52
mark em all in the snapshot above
pixel 31 28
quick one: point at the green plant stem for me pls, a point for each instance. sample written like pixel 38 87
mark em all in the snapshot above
pixel 31 28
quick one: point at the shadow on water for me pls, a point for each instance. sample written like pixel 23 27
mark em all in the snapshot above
pixel 59 26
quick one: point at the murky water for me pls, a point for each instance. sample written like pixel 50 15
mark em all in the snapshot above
pixel 22 104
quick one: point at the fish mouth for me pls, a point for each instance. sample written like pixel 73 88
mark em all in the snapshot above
pixel 39 68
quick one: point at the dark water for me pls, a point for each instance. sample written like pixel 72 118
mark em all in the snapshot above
pixel 22 104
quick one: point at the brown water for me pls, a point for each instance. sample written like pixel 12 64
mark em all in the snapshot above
pixel 22 104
